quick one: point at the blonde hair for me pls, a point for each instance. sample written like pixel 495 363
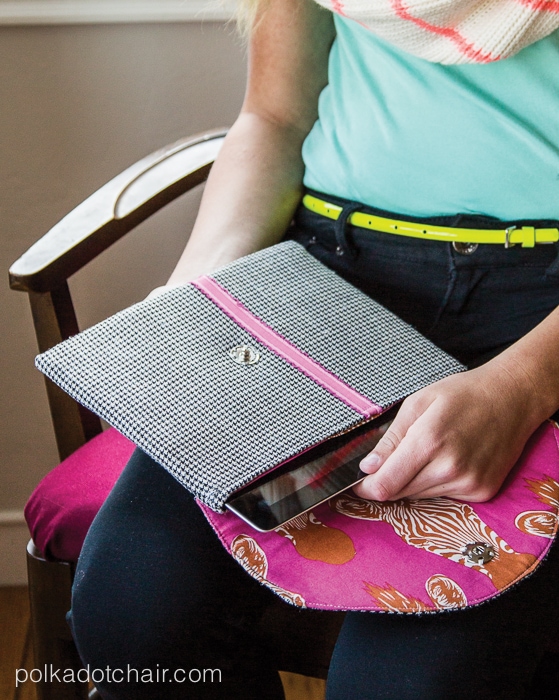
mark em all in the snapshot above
pixel 246 14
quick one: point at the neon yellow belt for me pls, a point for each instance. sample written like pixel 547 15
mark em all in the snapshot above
pixel 526 236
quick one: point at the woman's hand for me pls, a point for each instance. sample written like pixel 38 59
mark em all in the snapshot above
pixel 459 437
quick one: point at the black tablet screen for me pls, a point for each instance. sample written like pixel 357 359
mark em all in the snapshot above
pixel 308 479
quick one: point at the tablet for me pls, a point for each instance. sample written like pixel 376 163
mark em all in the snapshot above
pixel 309 479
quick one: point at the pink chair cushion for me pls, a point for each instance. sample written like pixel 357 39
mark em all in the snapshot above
pixel 63 505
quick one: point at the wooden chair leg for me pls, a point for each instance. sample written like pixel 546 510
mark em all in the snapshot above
pixel 50 585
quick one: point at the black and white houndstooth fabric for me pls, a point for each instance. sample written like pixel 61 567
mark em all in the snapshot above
pixel 358 340
pixel 161 372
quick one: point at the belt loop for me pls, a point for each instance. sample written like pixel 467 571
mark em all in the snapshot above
pixel 344 245
pixel 529 237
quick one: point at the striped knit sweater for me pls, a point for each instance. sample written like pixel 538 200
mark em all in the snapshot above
pixel 454 31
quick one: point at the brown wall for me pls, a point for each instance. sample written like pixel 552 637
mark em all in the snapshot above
pixel 77 105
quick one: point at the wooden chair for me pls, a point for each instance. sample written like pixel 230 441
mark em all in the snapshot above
pixel 42 272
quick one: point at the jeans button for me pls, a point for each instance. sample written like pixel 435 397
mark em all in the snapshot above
pixel 464 248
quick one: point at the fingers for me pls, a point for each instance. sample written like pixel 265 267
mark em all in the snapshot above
pixel 395 473
pixel 439 445
pixel 416 479
pixel 440 476
pixel 475 487
pixel 158 291
pixel 389 441
pixel 385 447
pixel 432 481
pixel 396 459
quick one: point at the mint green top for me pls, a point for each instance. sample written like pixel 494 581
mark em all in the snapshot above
pixel 420 138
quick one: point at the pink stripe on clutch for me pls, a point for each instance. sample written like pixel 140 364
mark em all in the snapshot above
pixel 275 342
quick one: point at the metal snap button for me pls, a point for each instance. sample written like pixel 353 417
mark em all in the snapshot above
pixel 464 248
pixel 479 552
pixel 244 355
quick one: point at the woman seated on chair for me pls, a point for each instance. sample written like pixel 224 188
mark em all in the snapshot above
pixel 369 102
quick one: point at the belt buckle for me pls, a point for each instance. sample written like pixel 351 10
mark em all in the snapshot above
pixel 508 231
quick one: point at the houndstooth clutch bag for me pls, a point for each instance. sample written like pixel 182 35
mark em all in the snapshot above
pixel 223 378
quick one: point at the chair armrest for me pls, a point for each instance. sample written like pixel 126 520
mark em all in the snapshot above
pixel 114 210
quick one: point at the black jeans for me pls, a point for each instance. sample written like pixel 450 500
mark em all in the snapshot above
pixel 154 588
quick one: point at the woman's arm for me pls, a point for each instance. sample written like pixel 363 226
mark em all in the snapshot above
pixel 256 182
pixel 461 436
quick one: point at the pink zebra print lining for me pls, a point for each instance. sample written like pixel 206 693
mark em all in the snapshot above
pixel 408 556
